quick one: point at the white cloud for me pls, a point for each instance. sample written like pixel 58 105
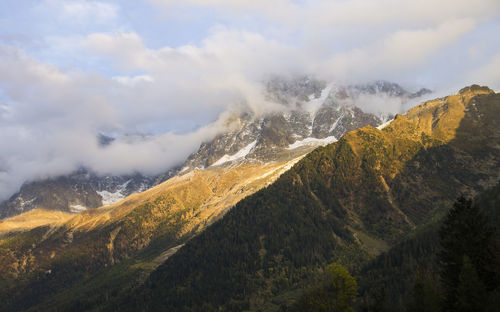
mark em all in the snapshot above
pixel 343 13
pixel 50 116
pixel 50 122
pixel 488 74
pixel 132 81
pixel 369 13
pixel 226 68
pixel 413 47
pixel 83 11
pixel 399 52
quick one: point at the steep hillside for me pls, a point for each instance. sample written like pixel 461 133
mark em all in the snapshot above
pixel 389 280
pixel 33 219
pixel 45 252
pixel 341 203
pixel 136 235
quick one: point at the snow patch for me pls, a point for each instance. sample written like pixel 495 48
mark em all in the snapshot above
pixel 77 208
pixel 23 203
pixel 109 198
pixel 240 154
pixel 335 123
pixel 315 103
pixel 312 142
pixel 385 124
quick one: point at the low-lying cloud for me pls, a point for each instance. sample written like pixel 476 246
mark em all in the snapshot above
pixel 175 97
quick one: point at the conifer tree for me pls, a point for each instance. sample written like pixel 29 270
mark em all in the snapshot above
pixel 465 234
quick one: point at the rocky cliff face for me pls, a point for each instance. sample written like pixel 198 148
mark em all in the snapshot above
pixel 315 114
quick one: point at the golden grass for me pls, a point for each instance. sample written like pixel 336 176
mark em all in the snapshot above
pixel 206 194
pixel 33 219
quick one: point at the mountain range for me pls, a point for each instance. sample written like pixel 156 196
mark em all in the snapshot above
pixel 345 202
pixel 251 219
pixel 314 113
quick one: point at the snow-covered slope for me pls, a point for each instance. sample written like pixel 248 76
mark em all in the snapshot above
pixel 240 154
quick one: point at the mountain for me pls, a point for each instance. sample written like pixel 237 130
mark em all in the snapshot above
pixel 314 114
pixel 81 261
pixel 46 252
pixel 345 202
pixel 74 193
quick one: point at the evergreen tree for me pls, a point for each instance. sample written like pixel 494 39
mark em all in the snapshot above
pixel 465 234
pixel 425 296
pixel 471 292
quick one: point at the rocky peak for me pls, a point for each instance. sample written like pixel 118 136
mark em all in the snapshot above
pixel 381 86
pixel 318 113
pixel 291 91
pixel 76 192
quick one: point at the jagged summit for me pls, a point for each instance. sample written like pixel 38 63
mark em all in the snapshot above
pixel 318 113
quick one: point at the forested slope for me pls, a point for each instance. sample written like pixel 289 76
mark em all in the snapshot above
pixel 342 203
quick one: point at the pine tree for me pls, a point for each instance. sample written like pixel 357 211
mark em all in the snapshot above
pixel 425 296
pixel 465 232
pixel 471 292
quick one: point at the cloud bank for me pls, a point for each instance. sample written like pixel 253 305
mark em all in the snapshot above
pixel 81 68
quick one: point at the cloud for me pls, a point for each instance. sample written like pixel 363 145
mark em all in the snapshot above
pixel 83 11
pixel 227 67
pixel 280 8
pixel 132 81
pixel 396 53
pixel 161 100
pixel 488 74
pixel 50 120
pixel 349 13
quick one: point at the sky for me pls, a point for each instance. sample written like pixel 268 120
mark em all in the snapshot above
pixel 161 75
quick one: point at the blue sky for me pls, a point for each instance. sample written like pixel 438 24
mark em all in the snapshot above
pixel 70 69
pixel 54 31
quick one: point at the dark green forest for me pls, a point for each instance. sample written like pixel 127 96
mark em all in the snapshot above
pixel 443 266
pixel 450 264
pixel 372 186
